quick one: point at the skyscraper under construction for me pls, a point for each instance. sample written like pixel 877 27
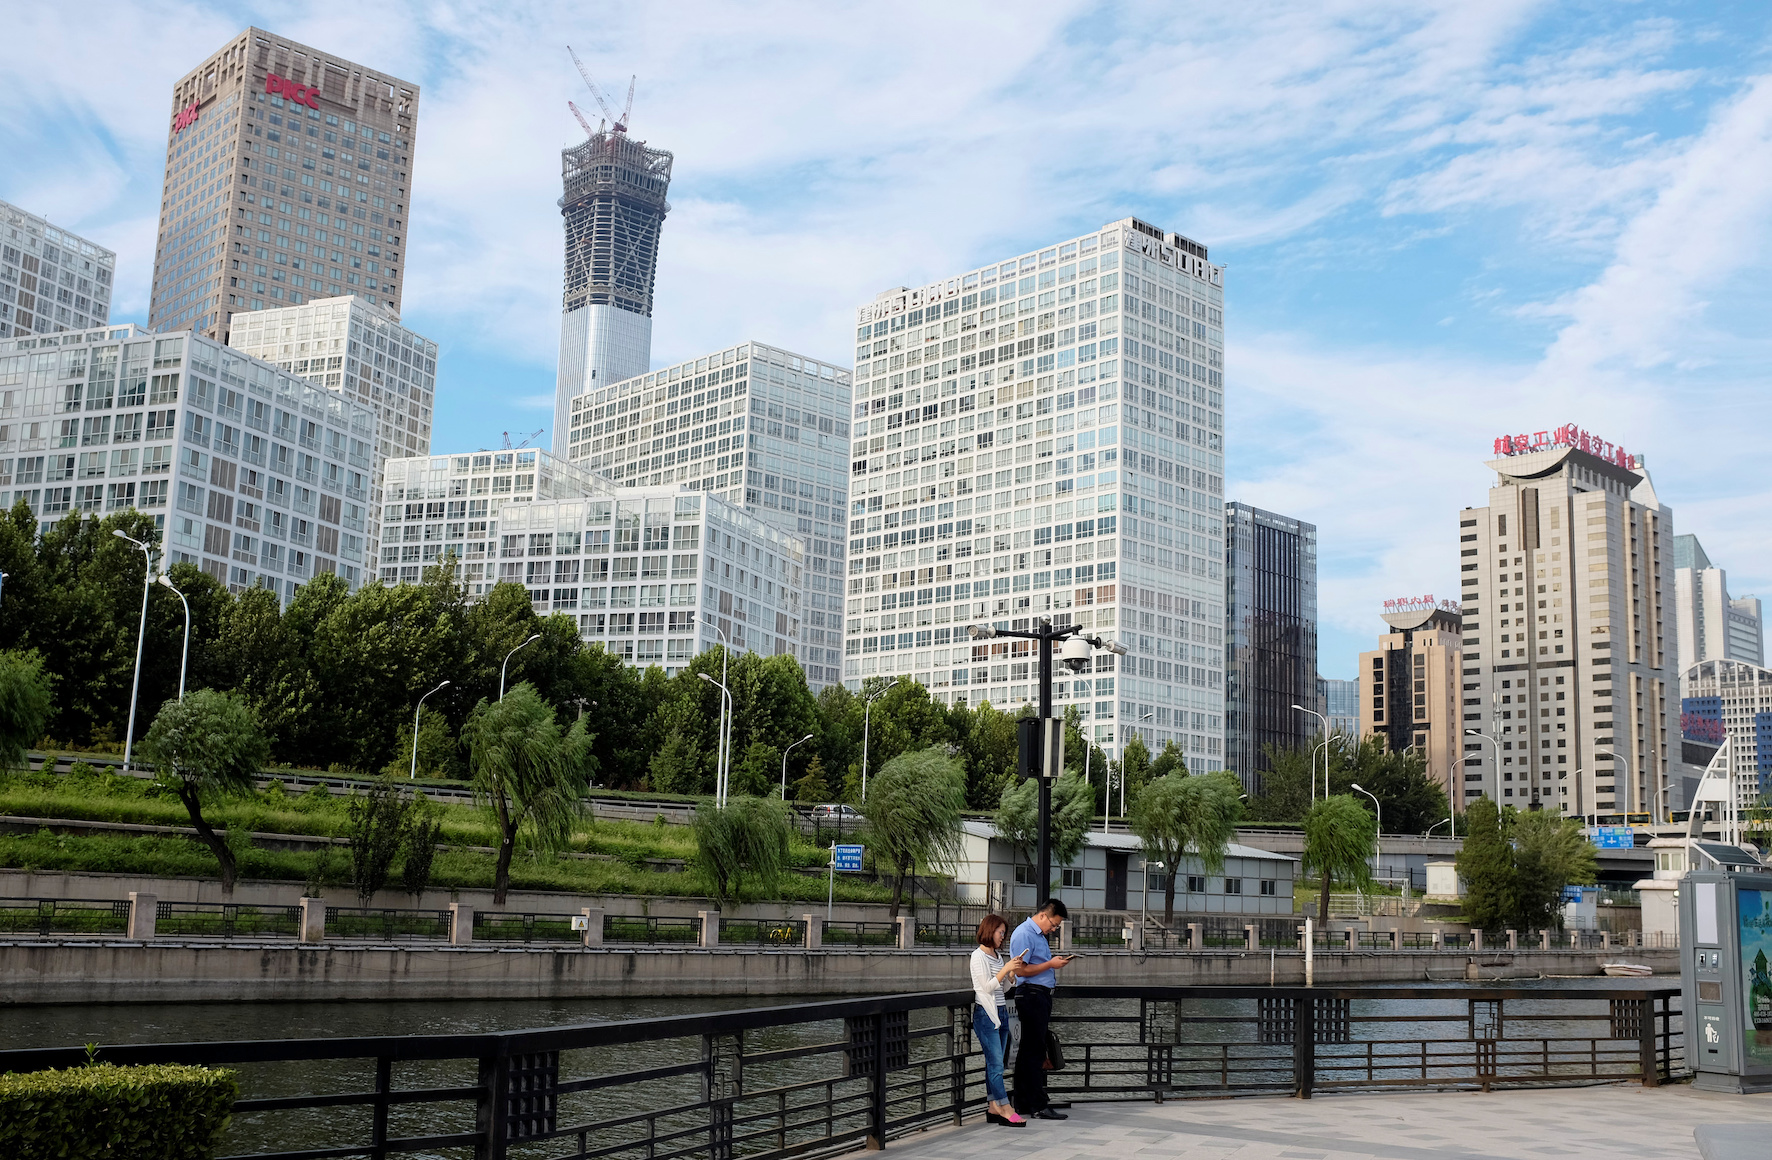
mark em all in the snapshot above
pixel 613 209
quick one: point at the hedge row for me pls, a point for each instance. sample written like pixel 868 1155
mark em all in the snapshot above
pixel 157 1112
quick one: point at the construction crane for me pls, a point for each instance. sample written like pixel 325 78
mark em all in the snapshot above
pixel 583 124
pixel 619 124
pixel 526 440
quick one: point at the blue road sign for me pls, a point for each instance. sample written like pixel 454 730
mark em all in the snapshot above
pixel 1612 837
pixel 846 858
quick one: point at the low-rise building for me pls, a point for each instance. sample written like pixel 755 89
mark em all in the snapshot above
pixel 1109 873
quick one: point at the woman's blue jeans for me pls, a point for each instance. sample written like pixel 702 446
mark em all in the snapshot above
pixel 994 1042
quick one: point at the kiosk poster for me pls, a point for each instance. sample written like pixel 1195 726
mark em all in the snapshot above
pixel 1756 961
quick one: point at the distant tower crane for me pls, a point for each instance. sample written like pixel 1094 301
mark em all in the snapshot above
pixel 618 124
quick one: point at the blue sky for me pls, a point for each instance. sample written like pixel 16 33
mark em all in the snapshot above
pixel 1442 222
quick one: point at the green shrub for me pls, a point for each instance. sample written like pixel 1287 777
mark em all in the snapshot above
pixel 159 1112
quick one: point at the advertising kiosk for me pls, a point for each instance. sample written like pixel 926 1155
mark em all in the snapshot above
pixel 1726 978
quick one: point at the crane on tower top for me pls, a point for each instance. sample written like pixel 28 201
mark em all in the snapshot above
pixel 618 123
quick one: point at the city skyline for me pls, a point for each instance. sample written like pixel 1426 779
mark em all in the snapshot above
pixel 1534 241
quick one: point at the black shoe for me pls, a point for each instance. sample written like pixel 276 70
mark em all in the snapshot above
pixel 994 1118
pixel 1049 1114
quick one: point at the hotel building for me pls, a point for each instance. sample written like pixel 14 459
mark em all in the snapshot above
pixel 1569 635
pixel 1043 437
pixel 288 178
pixel 1409 688
pixel 50 280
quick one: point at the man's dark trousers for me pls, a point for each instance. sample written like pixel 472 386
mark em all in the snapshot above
pixel 1034 1005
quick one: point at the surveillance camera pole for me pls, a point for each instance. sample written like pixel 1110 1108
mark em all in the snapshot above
pixel 1045 635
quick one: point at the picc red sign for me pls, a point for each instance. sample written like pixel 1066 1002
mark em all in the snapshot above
pixel 300 94
pixel 185 118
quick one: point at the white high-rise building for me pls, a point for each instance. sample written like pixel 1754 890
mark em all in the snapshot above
pixel 653 574
pixel 1712 625
pixel 764 429
pixel 50 280
pixel 1569 648
pixel 1737 695
pixel 359 350
pixel 1043 437
pixel 256 476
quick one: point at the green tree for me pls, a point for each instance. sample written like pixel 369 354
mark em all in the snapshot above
pixel 24 705
pixel 528 774
pixel 1285 787
pixel 759 774
pixel 1549 853
pixel 913 810
pixel 987 744
pixel 1485 862
pixel 424 828
pixel 812 787
pixel 1134 766
pixel 376 823
pixel 207 747
pixel 1073 807
pixel 745 843
pixel 1339 836
pixel 438 753
pixel 1180 816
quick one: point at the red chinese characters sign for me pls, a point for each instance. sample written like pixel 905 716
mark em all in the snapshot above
pixel 298 93
pixel 1419 604
pixel 1568 435
pixel 185 118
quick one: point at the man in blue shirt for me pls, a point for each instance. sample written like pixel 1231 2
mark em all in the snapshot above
pixel 1033 1003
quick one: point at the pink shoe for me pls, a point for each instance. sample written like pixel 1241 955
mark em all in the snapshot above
pixel 1014 1119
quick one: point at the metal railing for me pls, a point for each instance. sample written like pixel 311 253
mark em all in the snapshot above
pixel 496 926
pixel 386 923
pixel 947 934
pixel 648 928
pixel 46 916
pixel 860 934
pixel 763 932
pixel 225 920
pixel 819 1079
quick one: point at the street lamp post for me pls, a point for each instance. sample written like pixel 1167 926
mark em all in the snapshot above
pixel 1618 757
pixel 413 776
pixel 165 581
pixel 1378 819
pixel 506 666
pixel 867 709
pixel 1325 722
pixel 141 635
pixel 720 754
pixel 784 764
pixel 1494 744
pixel 1077 652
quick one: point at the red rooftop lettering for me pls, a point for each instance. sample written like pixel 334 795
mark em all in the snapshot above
pixel 300 94
pixel 1568 435
pixel 185 118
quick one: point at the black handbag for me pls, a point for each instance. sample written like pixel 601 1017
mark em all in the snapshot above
pixel 1054 1052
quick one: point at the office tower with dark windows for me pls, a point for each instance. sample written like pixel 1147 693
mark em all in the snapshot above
pixel 613 210
pixel 1569 676
pixel 1043 437
pixel 762 428
pixel 1270 640
pixel 1409 692
pixel 288 178
pixel 50 279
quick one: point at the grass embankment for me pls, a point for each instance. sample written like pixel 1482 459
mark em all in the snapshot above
pixel 88 795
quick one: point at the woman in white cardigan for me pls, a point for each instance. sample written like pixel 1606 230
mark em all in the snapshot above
pixel 990 1014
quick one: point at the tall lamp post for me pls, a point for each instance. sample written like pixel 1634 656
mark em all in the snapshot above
pixel 1378 819
pixel 413 776
pixel 1626 760
pixel 1325 722
pixel 1496 745
pixel 720 757
pixel 165 581
pixel 867 710
pixel 1077 651
pixel 140 636
pixel 502 669
pixel 784 764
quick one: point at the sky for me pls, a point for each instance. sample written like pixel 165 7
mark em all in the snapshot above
pixel 1441 222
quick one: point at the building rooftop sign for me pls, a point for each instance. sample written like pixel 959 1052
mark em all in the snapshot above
pixel 1568 435
pixel 1421 604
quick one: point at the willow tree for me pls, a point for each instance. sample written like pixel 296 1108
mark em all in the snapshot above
pixel 913 810
pixel 528 773
pixel 1339 836
pixel 746 841
pixel 1073 807
pixel 205 747
pixel 1180 816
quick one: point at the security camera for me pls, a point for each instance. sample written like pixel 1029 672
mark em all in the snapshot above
pixel 1076 654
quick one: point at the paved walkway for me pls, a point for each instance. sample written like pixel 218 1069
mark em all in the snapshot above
pixel 1555 1124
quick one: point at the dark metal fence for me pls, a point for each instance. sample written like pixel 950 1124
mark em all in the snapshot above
pixel 860 934
pixel 619 928
pixel 225 920
pixel 63 916
pixel 823 1078
pixel 763 932
pixel 963 935
pixel 495 926
pixel 386 923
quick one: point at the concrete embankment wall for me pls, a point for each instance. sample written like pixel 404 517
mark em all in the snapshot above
pixel 100 971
